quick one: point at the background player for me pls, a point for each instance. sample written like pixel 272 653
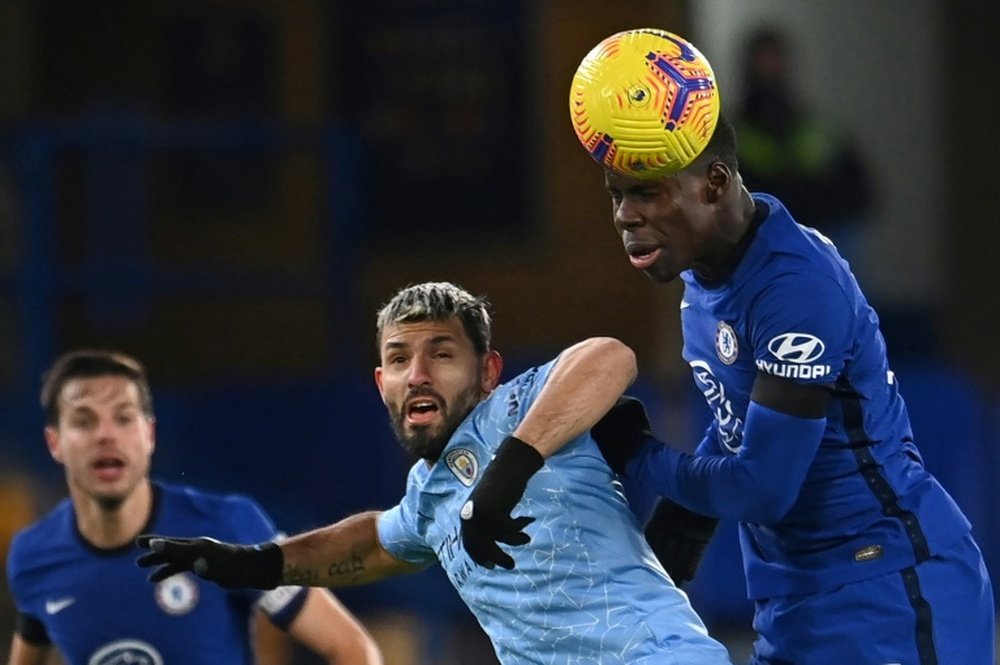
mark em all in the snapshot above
pixel 852 551
pixel 73 573
pixel 587 589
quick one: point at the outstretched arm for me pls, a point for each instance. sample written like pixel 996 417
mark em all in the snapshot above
pixel 342 554
pixel 347 553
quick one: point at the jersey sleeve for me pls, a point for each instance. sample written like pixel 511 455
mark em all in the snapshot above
pixel 709 444
pixel 512 400
pixel 248 521
pixel 801 328
pixel 27 624
pixel 400 534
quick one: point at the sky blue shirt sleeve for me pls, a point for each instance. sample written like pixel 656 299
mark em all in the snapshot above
pixel 399 541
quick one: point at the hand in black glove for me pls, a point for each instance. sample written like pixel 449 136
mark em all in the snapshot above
pixel 678 538
pixel 230 566
pixel 621 432
pixel 486 518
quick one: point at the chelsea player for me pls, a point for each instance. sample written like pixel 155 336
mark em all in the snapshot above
pixel 853 552
pixel 73 574
pixel 586 590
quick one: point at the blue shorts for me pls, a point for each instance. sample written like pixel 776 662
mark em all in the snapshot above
pixel 939 612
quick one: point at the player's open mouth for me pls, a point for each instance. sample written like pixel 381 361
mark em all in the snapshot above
pixel 421 411
pixel 643 257
pixel 109 468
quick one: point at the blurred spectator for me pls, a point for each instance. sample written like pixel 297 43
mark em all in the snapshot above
pixel 72 575
pixel 788 151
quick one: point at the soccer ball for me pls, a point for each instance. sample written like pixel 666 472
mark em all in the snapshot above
pixel 644 103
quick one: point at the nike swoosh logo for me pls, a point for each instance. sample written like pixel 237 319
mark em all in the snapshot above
pixel 55 606
pixel 685 304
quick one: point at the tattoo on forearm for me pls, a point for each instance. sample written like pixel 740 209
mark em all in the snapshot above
pixel 300 576
pixel 352 567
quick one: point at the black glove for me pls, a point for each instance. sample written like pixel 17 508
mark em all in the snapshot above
pixel 621 432
pixel 678 538
pixel 486 518
pixel 230 566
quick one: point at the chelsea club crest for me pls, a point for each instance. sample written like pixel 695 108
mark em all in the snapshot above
pixel 726 345
pixel 177 595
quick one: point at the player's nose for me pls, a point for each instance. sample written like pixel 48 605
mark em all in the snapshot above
pixel 106 429
pixel 419 372
pixel 626 216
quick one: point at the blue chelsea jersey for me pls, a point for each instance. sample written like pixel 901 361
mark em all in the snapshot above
pixel 793 309
pixel 97 608
pixel 586 589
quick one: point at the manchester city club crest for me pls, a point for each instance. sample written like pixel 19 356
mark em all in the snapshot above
pixel 726 345
pixel 463 464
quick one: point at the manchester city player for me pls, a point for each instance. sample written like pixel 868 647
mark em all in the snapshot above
pixel 853 552
pixel 73 574
pixel 587 589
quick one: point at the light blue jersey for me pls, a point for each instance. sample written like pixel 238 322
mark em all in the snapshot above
pixel 586 589
pixel 97 608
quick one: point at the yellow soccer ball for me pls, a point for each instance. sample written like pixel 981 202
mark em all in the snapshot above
pixel 644 103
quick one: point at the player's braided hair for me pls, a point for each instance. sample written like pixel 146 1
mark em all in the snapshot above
pixel 439 301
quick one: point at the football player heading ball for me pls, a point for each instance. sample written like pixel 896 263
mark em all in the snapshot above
pixel 853 552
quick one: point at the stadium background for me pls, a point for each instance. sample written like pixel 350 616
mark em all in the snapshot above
pixel 229 188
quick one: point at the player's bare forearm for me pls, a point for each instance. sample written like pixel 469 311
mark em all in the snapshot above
pixel 25 653
pixel 343 554
pixel 583 386
pixel 328 629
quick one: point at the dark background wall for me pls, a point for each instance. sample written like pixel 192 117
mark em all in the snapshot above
pixel 454 145
pixel 229 189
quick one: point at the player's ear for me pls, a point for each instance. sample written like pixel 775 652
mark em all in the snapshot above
pixel 718 180
pixel 492 368
pixel 152 434
pixel 52 441
pixel 378 381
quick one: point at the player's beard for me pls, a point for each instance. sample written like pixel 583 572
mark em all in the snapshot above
pixel 427 442
pixel 110 504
